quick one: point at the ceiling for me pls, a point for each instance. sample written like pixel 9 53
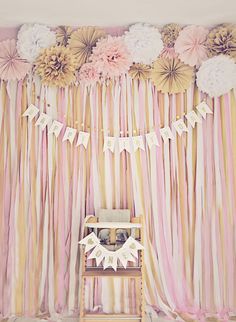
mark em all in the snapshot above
pixel 116 13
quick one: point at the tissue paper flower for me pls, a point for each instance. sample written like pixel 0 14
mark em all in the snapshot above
pixel 217 75
pixel 140 71
pixel 63 35
pixel 111 57
pixel 11 65
pixel 222 40
pixel 32 38
pixel 171 75
pixel 82 42
pixel 88 74
pixel 170 33
pixel 56 66
pixel 144 43
pixel 190 45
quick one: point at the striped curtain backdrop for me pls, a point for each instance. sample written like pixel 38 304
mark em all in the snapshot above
pixel 185 189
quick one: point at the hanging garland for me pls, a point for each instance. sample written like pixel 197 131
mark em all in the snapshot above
pixel 171 57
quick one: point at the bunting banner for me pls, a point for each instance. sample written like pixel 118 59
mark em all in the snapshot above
pixel 127 253
pixel 166 134
pixel 43 120
pixel 31 112
pixel 152 139
pixel 55 128
pixel 83 139
pixel 69 135
pixel 129 144
pixel 109 143
pixel 180 127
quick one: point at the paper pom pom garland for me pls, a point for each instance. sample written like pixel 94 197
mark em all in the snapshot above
pixel 111 57
pixel 89 74
pixel 144 43
pixel 222 40
pixel 217 75
pixel 88 55
pixel 56 66
pixel 170 33
pixel 33 38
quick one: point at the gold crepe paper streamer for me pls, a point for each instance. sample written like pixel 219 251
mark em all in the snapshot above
pixel 82 42
pixel 56 66
pixel 222 40
pixel 140 71
pixel 171 75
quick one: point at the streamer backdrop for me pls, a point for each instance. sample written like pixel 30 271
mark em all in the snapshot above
pixel 185 189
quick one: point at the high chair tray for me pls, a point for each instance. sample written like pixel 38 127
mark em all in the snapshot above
pixel 113 225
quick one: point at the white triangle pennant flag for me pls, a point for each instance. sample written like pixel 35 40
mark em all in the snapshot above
pixel 31 112
pixel 133 246
pixel 166 133
pixel 98 253
pixel 69 134
pixel 110 260
pixel 109 143
pixel 43 120
pixel 138 143
pixel 204 109
pixel 83 139
pixel 152 139
pixel 193 118
pixel 125 256
pixel 180 127
pixel 55 128
pixel 124 144
pixel 90 242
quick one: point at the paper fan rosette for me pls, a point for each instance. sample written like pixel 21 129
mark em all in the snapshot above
pixel 171 75
pixel 12 67
pixel 82 41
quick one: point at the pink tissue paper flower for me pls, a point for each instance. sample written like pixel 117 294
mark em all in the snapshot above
pixel 190 45
pixel 88 74
pixel 12 67
pixel 111 57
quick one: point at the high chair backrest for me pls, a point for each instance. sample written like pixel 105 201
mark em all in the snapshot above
pixel 113 215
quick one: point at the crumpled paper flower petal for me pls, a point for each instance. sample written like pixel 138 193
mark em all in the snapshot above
pixel 88 74
pixel 32 38
pixel 56 66
pixel 144 43
pixel 217 75
pixel 111 57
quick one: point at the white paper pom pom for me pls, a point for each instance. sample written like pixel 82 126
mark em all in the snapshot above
pixel 217 75
pixel 32 38
pixel 144 43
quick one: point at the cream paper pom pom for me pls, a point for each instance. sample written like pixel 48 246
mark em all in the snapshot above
pixel 32 38
pixel 217 75
pixel 144 43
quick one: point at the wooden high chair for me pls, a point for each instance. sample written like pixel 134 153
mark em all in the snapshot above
pixel 108 219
